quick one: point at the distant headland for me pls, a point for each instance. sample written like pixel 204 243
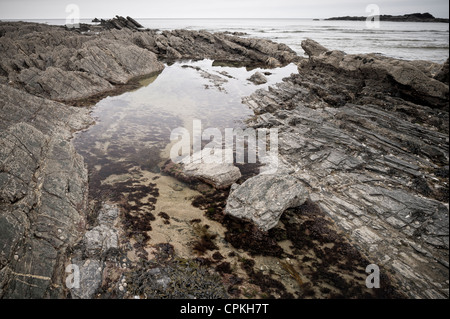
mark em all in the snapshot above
pixel 412 17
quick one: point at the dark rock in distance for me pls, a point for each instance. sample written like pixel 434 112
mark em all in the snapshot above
pixel 412 17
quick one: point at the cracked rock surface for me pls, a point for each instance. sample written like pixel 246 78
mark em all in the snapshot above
pixel 42 192
pixel 369 136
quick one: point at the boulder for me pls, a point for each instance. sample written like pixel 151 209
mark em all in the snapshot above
pixel 89 281
pixel 313 48
pixel 96 249
pixel 258 78
pixel 263 199
pixel 219 175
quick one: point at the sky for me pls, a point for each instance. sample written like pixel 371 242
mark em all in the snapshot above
pixel 56 9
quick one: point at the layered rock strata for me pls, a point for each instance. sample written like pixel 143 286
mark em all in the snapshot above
pixel 369 136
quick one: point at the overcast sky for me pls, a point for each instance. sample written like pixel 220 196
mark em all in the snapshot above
pixel 56 9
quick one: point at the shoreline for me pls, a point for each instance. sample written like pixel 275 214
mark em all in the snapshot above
pixel 328 97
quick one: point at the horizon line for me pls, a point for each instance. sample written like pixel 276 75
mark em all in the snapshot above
pixel 197 18
pixel 166 18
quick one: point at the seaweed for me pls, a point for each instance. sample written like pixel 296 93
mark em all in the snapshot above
pixel 217 256
pixel 138 224
pixel 309 230
pixel 175 279
pixel 164 216
pixel 224 268
pixel 245 235
pixel 266 283
pixel 294 273
pixel 247 265
pixel 205 241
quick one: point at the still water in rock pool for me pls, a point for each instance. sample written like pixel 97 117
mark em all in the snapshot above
pixel 132 130
pixel 130 142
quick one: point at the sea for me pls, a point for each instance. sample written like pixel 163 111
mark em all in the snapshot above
pixel 403 40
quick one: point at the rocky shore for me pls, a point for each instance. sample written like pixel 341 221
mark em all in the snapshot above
pixel 365 135
pixel 43 181
pixel 369 136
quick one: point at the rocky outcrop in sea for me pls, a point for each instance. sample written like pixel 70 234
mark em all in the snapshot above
pixel 412 17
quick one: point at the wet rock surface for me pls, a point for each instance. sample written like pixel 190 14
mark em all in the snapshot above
pixel 263 198
pixel 43 189
pixel 258 78
pixel 92 63
pixel 218 175
pixel 369 136
pixel 205 168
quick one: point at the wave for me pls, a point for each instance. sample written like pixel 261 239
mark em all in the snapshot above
pixel 426 47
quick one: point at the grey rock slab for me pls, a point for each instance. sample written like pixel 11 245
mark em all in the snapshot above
pixel 90 278
pixel 43 188
pixel 218 175
pixel 211 170
pixel 263 199
pixel 258 78
pixel 99 240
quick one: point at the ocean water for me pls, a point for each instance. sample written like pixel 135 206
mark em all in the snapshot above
pixel 410 41
pixel 403 40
